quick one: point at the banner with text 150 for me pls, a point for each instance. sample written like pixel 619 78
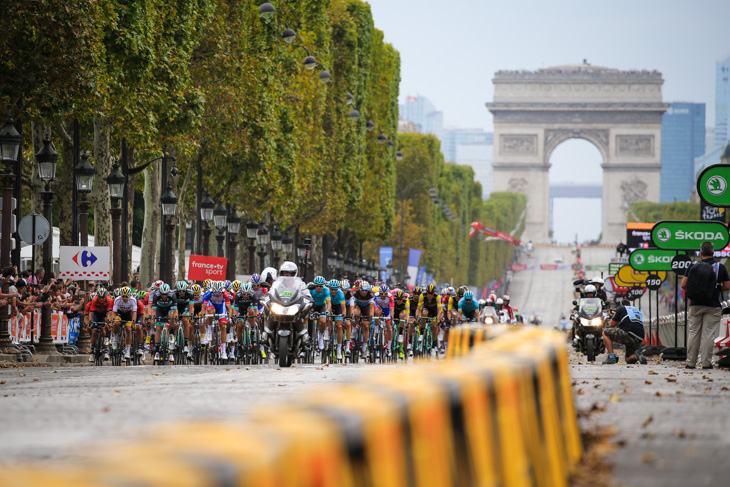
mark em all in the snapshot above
pixel 201 268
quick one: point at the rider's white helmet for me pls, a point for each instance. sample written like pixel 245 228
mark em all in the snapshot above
pixel 597 280
pixel 288 267
pixel 499 302
pixel 267 273
pixel 590 288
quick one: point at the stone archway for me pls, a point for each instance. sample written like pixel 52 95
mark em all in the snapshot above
pixel 620 112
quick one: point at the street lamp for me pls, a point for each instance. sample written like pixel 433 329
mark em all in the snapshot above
pixel 382 139
pixel 116 181
pixel 266 11
pixel 287 244
pixel 325 77
pixel 369 126
pixel 262 237
pixel 340 262
pixel 220 215
pixel 309 62
pixel 10 142
pixel 206 215
pixel 47 159
pixel 354 115
pixel 234 226
pixel 252 228
pixel 276 244
pixel 169 208
pixel 332 260
pixel 84 181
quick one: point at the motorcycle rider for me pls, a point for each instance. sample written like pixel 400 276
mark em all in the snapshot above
pixel 508 308
pixel 600 292
pixel 289 269
pixel 488 310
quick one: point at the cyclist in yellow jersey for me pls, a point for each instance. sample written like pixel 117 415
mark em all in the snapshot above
pixel 429 306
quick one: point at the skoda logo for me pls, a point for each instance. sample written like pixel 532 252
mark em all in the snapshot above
pixel 716 185
pixel 664 234
pixel 638 259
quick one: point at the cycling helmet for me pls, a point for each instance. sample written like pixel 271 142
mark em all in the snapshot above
pixel 196 289
pixel 255 278
pixel 125 292
pixel 117 292
pixel 384 288
pixel 141 294
pixel 319 281
pixel 333 284
pixel 590 289
pixel 236 286
pixel 417 290
pixel 227 284
pixel 206 284
pixel 246 288
pixel 181 286
pixel 499 302
pixel 358 282
pixel 101 292
pixel 461 290
pixel 597 281
pixel 164 289
pixel 364 286
pixel 468 295
pixel 431 288
pixel 217 287
pixel 399 294
pixel 288 268
pixel 268 275
pixel 345 284
pixel 505 298
pixel 376 290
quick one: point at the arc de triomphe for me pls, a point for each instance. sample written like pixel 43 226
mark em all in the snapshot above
pixel 620 112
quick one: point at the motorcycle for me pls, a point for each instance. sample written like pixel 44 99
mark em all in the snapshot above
pixel 287 305
pixel 489 315
pixel 588 323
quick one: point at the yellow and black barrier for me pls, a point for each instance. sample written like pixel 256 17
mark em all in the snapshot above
pixel 501 413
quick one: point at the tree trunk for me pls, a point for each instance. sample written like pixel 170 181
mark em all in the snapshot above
pixel 64 183
pixel 129 188
pixel 99 197
pixel 182 217
pixel 151 228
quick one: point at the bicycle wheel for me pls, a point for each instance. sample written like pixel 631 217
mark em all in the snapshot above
pixel 164 346
pixel 121 344
pixel 99 348
pixel 180 356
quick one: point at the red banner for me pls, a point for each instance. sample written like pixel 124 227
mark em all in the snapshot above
pixel 548 267
pixel 519 267
pixel 478 227
pixel 201 268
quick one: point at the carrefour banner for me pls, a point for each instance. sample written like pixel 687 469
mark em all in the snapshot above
pixel 414 259
pixel 386 257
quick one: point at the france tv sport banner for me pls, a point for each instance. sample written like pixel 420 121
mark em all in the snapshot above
pixel 84 263
pixel 386 257
pixel 414 259
pixel 201 267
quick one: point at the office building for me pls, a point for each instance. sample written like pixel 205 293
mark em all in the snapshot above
pixel 722 103
pixel 419 110
pixel 454 137
pixel 683 140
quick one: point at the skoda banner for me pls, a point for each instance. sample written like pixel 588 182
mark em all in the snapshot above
pixel 689 235
pixel 712 185
pixel 652 259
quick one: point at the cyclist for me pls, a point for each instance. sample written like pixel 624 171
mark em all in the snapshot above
pixel 468 307
pixel 363 304
pixel 206 285
pixel 125 309
pixel 347 292
pixel 428 307
pixel 161 305
pixel 184 298
pixel 322 305
pixel 99 308
pixel 338 308
pixel 245 304
pixel 197 299
pixel 401 310
pixel 383 307
pixel 217 299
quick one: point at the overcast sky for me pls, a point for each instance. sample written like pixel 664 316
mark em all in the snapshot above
pixel 451 50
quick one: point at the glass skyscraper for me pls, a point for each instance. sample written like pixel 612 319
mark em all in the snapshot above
pixel 722 103
pixel 683 139
pixel 420 110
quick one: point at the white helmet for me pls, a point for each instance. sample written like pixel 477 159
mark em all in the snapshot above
pixel 482 302
pixel 597 280
pixel 590 288
pixel 289 267
pixel 499 302
pixel 217 287
pixel 505 297
pixel 267 273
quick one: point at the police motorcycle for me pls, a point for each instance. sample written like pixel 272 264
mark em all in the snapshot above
pixel 588 320
pixel 287 306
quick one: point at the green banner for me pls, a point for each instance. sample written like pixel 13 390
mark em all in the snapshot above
pixel 596 268
pixel 613 268
pixel 689 235
pixel 713 187
pixel 652 259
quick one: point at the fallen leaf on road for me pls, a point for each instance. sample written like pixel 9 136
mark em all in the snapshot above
pixel 596 378
pixel 723 388
pixel 35 380
pixel 707 389
pixel 105 409
pixel 228 370
pixel 319 368
pixel 54 372
pixel 580 392
pixel 647 382
pixel 281 385
pixel 22 375
pixel 659 394
pixel 680 433
pixel 614 398
pixel 648 457
pixel 248 368
pixel 293 366
pixel 648 435
pixel 647 421
pixel 117 390
pixel 2 382
pixel 651 372
pixel 622 383
pixel 671 379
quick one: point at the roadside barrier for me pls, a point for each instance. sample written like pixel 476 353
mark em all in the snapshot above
pixel 499 412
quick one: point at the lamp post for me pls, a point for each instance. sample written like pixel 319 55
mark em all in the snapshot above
pixel 84 181
pixel 252 228
pixel 116 181
pixel 276 243
pixel 220 214
pixel 169 208
pixel 287 244
pixel 10 142
pixel 301 254
pixel 234 226
pixel 206 215
pixel 47 158
pixel 262 237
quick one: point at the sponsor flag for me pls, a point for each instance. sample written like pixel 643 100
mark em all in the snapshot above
pixel 84 263
pixel 414 259
pixel 386 257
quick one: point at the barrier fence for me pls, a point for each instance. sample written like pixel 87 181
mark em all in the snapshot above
pixel 498 412
pixel 63 330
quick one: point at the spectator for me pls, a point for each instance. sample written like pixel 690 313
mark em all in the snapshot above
pixel 704 284
pixel 37 278
pixel 626 327
pixel 8 276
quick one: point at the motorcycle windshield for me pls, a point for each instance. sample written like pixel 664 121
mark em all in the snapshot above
pixel 589 308
pixel 286 290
